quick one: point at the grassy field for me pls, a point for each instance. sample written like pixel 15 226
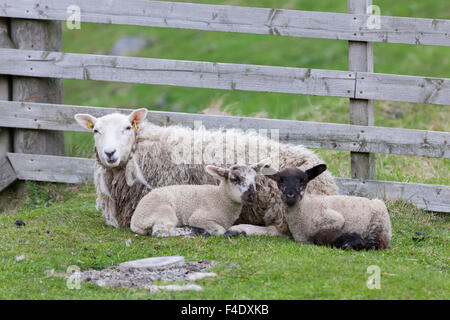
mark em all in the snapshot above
pixel 69 231
pixel 249 268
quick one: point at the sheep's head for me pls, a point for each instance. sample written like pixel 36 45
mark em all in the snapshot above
pixel 114 135
pixel 239 180
pixel 292 182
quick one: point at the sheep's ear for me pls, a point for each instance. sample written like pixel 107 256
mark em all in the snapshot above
pixel 217 172
pixel 262 164
pixel 315 171
pixel 137 116
pixel 86 120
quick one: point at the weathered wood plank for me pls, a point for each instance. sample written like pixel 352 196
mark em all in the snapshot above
pixel 360 58
pixel 177 73
pixel 226 76
pixel 402 88
pixel 7 173
pixel 281 22
pixel 37 35
pixel 76 170
pixel 426 196
pixel 51 168
pixel 311 134
pixel 5 89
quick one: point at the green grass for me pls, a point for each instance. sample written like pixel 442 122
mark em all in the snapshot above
pixel 249 268
pixel 253 268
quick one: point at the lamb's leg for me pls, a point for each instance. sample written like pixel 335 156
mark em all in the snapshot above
pixel 199 220
pixel 380 232
pixel 326 227
pixel 353 241
pixel 160 221
pixel 252 230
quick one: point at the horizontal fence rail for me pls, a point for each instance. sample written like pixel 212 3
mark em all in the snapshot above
pixel 76 170
pixel 331 136
pixel 228 76
pixel 296 23
pixel 177 73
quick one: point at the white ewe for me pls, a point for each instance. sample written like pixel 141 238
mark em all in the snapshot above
pixel 341 221
pixel 209 207
pixel 130 150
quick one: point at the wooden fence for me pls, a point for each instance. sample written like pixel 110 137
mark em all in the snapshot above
pixel 29 62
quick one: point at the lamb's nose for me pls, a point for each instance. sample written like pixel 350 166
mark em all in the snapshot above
pixel 110 154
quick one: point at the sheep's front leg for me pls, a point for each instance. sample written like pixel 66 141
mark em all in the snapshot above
pixel 199 219
pixel 252 230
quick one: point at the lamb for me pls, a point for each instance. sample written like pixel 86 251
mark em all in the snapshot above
pixel 133 156
pixel 341 221
pixel 209 207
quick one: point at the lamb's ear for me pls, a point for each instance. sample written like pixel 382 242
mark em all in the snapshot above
pixel 275 177
pixel 137 116
pixel 262 164
pixel 217 172
pixel 85 120
pixel 315 171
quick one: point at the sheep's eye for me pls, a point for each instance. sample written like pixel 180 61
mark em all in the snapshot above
pixel 128 128
pixel 235 179
pixel 96 131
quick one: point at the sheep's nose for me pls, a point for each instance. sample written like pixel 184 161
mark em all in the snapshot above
pixel 110 153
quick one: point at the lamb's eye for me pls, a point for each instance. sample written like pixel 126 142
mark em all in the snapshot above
pixel 128 128
pixel 96 131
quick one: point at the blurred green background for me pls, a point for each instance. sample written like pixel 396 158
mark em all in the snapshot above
pixel 278 51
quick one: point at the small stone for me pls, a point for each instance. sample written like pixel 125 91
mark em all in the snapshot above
pixel 50 272
pixel 20 258
pixel 420 233
pixel 398 113
pixel 108 255
pixel 176 287
pixel 205 261
pixel 47 231
pixel 200 275
pixel 153 263
pixel 19 223
pixel 418 239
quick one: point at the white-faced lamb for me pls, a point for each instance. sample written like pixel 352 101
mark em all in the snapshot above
pixel 345 222
pixel 133 156
pixel 209 207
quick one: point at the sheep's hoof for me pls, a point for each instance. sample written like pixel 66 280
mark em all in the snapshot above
pixel 199 232
pixel 231 233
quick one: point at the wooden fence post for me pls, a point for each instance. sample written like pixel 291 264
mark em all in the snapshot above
pixel 7 174
pixel 361 111
pixel 37 35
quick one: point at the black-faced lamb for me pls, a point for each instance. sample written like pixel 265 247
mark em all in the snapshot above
pixel 209 207
pixel 133 156
pixel 345 222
